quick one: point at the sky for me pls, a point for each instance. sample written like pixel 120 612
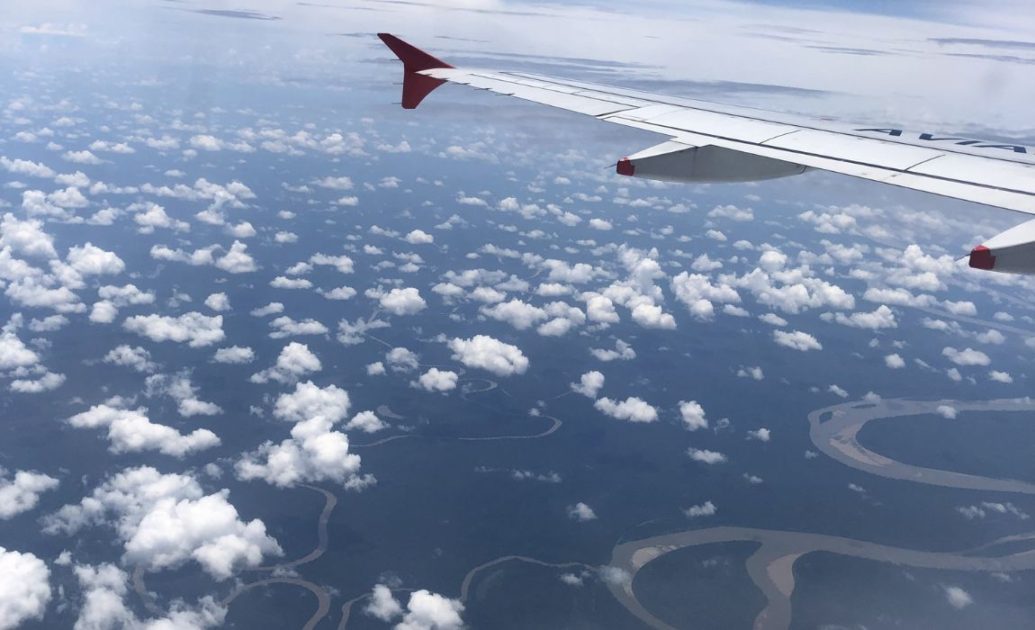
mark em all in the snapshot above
pixel 266 337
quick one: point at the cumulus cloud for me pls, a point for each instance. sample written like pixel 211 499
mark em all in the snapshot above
pixel 26 238
pixel 966 357
pixel 218 302
pixel 402 360
pixel 622 351
pixel 487 353
pixel 762 435
pixel 693 416
pixel 632 409
pixel 21 493
pixel 424 610
pixel 193 328
pixel 705 456
pixel 24 588
pixel 104 589
pixel 234 355
pixel 957 597
pixel 518 314
pixel 293 362
pixel 796 340
pixel 697 511
pixel 133 357
pixel 894 361
pixel 403 301
pixel 166 520
pixel 589 384
pixel 419 237
pixel 435 380
pixel 131 431
pixel 581 512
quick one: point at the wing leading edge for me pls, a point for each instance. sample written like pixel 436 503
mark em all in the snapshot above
pixel 711 142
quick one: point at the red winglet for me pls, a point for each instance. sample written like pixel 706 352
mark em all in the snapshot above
pixel 625 167
pixel 415 86
pixel 981 258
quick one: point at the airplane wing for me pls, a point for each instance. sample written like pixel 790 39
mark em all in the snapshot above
pixel 711 142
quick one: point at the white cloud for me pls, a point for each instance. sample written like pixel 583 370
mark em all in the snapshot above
pixel 218 302
pixel 313 453
pixel 105 588
pixel 652 316
pixel 294 361
pixel 957 597
pixel 14 353
pixel 732 212
pixel 966 357
pixel 880 318
pixel 697 511
pixel 91 260
pixel 155 216
pixel 166 520
pixel 21 493
pixel 367 422
pixel 24 588
pixel 383 605
pixel 419 237
pixel 284 326
pixel 49 381
pixel 193 328
pixel 424 610
pixel 487 353
pixel 796 340
pixel 589 384
pixel 693 415
pixel 234 355
pixel 435 380
pixel 762 435
pixel 133 357
pixel 26 237
pixel 131 431
pixel 946 411
pixel 632 409
pixel 705 456
pixel 581 512
pixel 309 401
pixel 402 360
pixel 1000 377
pixel 622 351
pixel 403 301
pixel 894 361
pixel 518 314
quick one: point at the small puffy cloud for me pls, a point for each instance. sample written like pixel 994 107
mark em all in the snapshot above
pixel 218 302
pixel 946 411
pixel 894 361
pixel 24 588
pixel 382 604
pixel 131 431
pixel 581 512
pixel 732 212
pixel 600 224
pixel 49 381
pixel 1000 377
pixel 796 340
pixel 705 456
pixel 838 391
pixel 284 326
pixel 652 316
pixel 167 520
pixel 133 357
pixel 436 380
pixel 957 597
pixel 632 409
pixel 14 353
pixel 90 260
pixel 234 355
pixel 589 384
pixel 367 422
pixel 402 360
pixel 488 353
pixel 293 362
pixel 753 372
pixel 313 453
pixel 693 416
pixel 21 493
pixel 518 314
pixel 155 216
pixel 419 237
pixel 192 328
pixel 762 435
pixel 26 238
pixel 697 511
pixel 622 351
pixel 424 610
pixel 403 301
pixel 878 319
pixel 375 369
pixel 966 357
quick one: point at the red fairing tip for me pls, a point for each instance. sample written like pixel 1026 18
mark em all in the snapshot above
pixel 626 167
pixel 415 86
pixel 981 258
